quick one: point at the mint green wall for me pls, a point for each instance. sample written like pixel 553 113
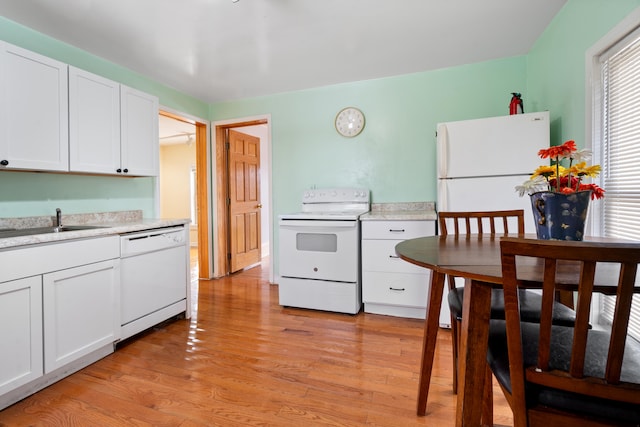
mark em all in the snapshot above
pixel 34 194
pixel 395 154
pixel 556 64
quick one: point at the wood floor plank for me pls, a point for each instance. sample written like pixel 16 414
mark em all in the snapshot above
pixel 244 360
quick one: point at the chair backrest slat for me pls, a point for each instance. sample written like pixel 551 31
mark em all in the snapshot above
pixel 546 313
pixel 621 322
pixel 511 221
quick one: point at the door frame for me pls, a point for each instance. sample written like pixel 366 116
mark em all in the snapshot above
pixel 220 189
pixel 203 160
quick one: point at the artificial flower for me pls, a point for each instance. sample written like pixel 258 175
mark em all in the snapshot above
pixel 559 179
pixel 533 185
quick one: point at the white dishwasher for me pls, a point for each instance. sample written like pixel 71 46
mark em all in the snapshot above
pixel 154 277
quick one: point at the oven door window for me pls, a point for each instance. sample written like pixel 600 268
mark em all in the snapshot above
pixel 322 250
pixel 315 242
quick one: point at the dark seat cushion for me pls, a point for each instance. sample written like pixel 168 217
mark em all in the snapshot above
pixel 562 337
pixel 530 303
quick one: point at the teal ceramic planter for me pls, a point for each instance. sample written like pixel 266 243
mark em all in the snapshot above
pixel 560 216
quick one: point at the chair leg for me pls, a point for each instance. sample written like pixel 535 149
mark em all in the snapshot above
pixel 455 341
pixel 487 401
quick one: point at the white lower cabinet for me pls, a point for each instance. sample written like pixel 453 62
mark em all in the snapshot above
pixel 59 311
pixel 80 312
pixel 390 285
pixel 20 332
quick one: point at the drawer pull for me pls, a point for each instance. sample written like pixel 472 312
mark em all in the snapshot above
pixel 394 256
pixel 396 289
pixel 400 230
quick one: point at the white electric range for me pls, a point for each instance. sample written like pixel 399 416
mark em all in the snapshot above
pixel 320 251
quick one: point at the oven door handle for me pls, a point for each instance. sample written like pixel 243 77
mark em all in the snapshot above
pixel 317 223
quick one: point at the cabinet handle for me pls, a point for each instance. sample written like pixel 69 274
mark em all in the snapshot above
pixel 119 170
pixel 4 162
pixel 396 289
pixel 391 230
pixel 125 170
pixel 394 256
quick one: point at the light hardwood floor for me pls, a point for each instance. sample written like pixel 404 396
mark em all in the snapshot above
pixel 243 360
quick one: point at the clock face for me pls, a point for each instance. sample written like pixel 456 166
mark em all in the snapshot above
pixel 349 122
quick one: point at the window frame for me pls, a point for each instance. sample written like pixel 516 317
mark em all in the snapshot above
pixel 626 30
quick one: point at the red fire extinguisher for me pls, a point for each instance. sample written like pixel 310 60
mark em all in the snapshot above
pixel 515 106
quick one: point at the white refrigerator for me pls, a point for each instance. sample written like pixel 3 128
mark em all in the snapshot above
pixel 481 161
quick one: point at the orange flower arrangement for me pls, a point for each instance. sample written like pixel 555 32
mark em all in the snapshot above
pixel 559 179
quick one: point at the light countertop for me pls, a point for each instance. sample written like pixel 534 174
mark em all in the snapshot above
pixel 405 211
pixel 112 223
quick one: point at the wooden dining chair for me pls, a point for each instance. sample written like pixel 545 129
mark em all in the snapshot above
pixel 556 375
pixel 494 223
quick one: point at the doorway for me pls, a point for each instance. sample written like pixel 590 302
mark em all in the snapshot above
pixel 185 175
pixel 222 227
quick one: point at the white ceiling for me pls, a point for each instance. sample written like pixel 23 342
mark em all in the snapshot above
pixel 217 50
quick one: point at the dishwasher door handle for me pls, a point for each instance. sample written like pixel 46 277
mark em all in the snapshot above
pixel 147 236
pixel 136 244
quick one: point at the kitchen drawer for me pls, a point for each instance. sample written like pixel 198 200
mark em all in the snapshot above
pixel 397 230
pixel 402 289
pixel 380 255
pixel 38 259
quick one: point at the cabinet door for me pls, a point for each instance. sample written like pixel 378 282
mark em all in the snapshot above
pixel 81 311
pixel 34 128
pixel 139 127
pixel 20 332
pixel 94 123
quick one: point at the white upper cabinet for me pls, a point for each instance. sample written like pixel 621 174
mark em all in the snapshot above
pixel 139 132
pixel 113 128
pixel 94 123
pixel 55 117
pixel 33 111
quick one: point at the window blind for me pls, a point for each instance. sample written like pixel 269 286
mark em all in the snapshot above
pixel 620 154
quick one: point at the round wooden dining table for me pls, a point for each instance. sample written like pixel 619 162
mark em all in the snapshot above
pixel 477 259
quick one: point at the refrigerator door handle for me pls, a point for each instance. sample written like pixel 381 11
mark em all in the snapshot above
pixel 442 141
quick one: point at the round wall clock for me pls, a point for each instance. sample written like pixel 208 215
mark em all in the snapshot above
pixel 349 122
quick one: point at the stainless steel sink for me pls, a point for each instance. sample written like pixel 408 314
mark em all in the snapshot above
pixel 46 230
pixel 76 228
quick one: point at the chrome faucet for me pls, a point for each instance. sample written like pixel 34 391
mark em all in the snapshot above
pixel 58 218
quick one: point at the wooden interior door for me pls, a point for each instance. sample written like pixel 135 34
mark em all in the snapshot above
pixel 244 200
